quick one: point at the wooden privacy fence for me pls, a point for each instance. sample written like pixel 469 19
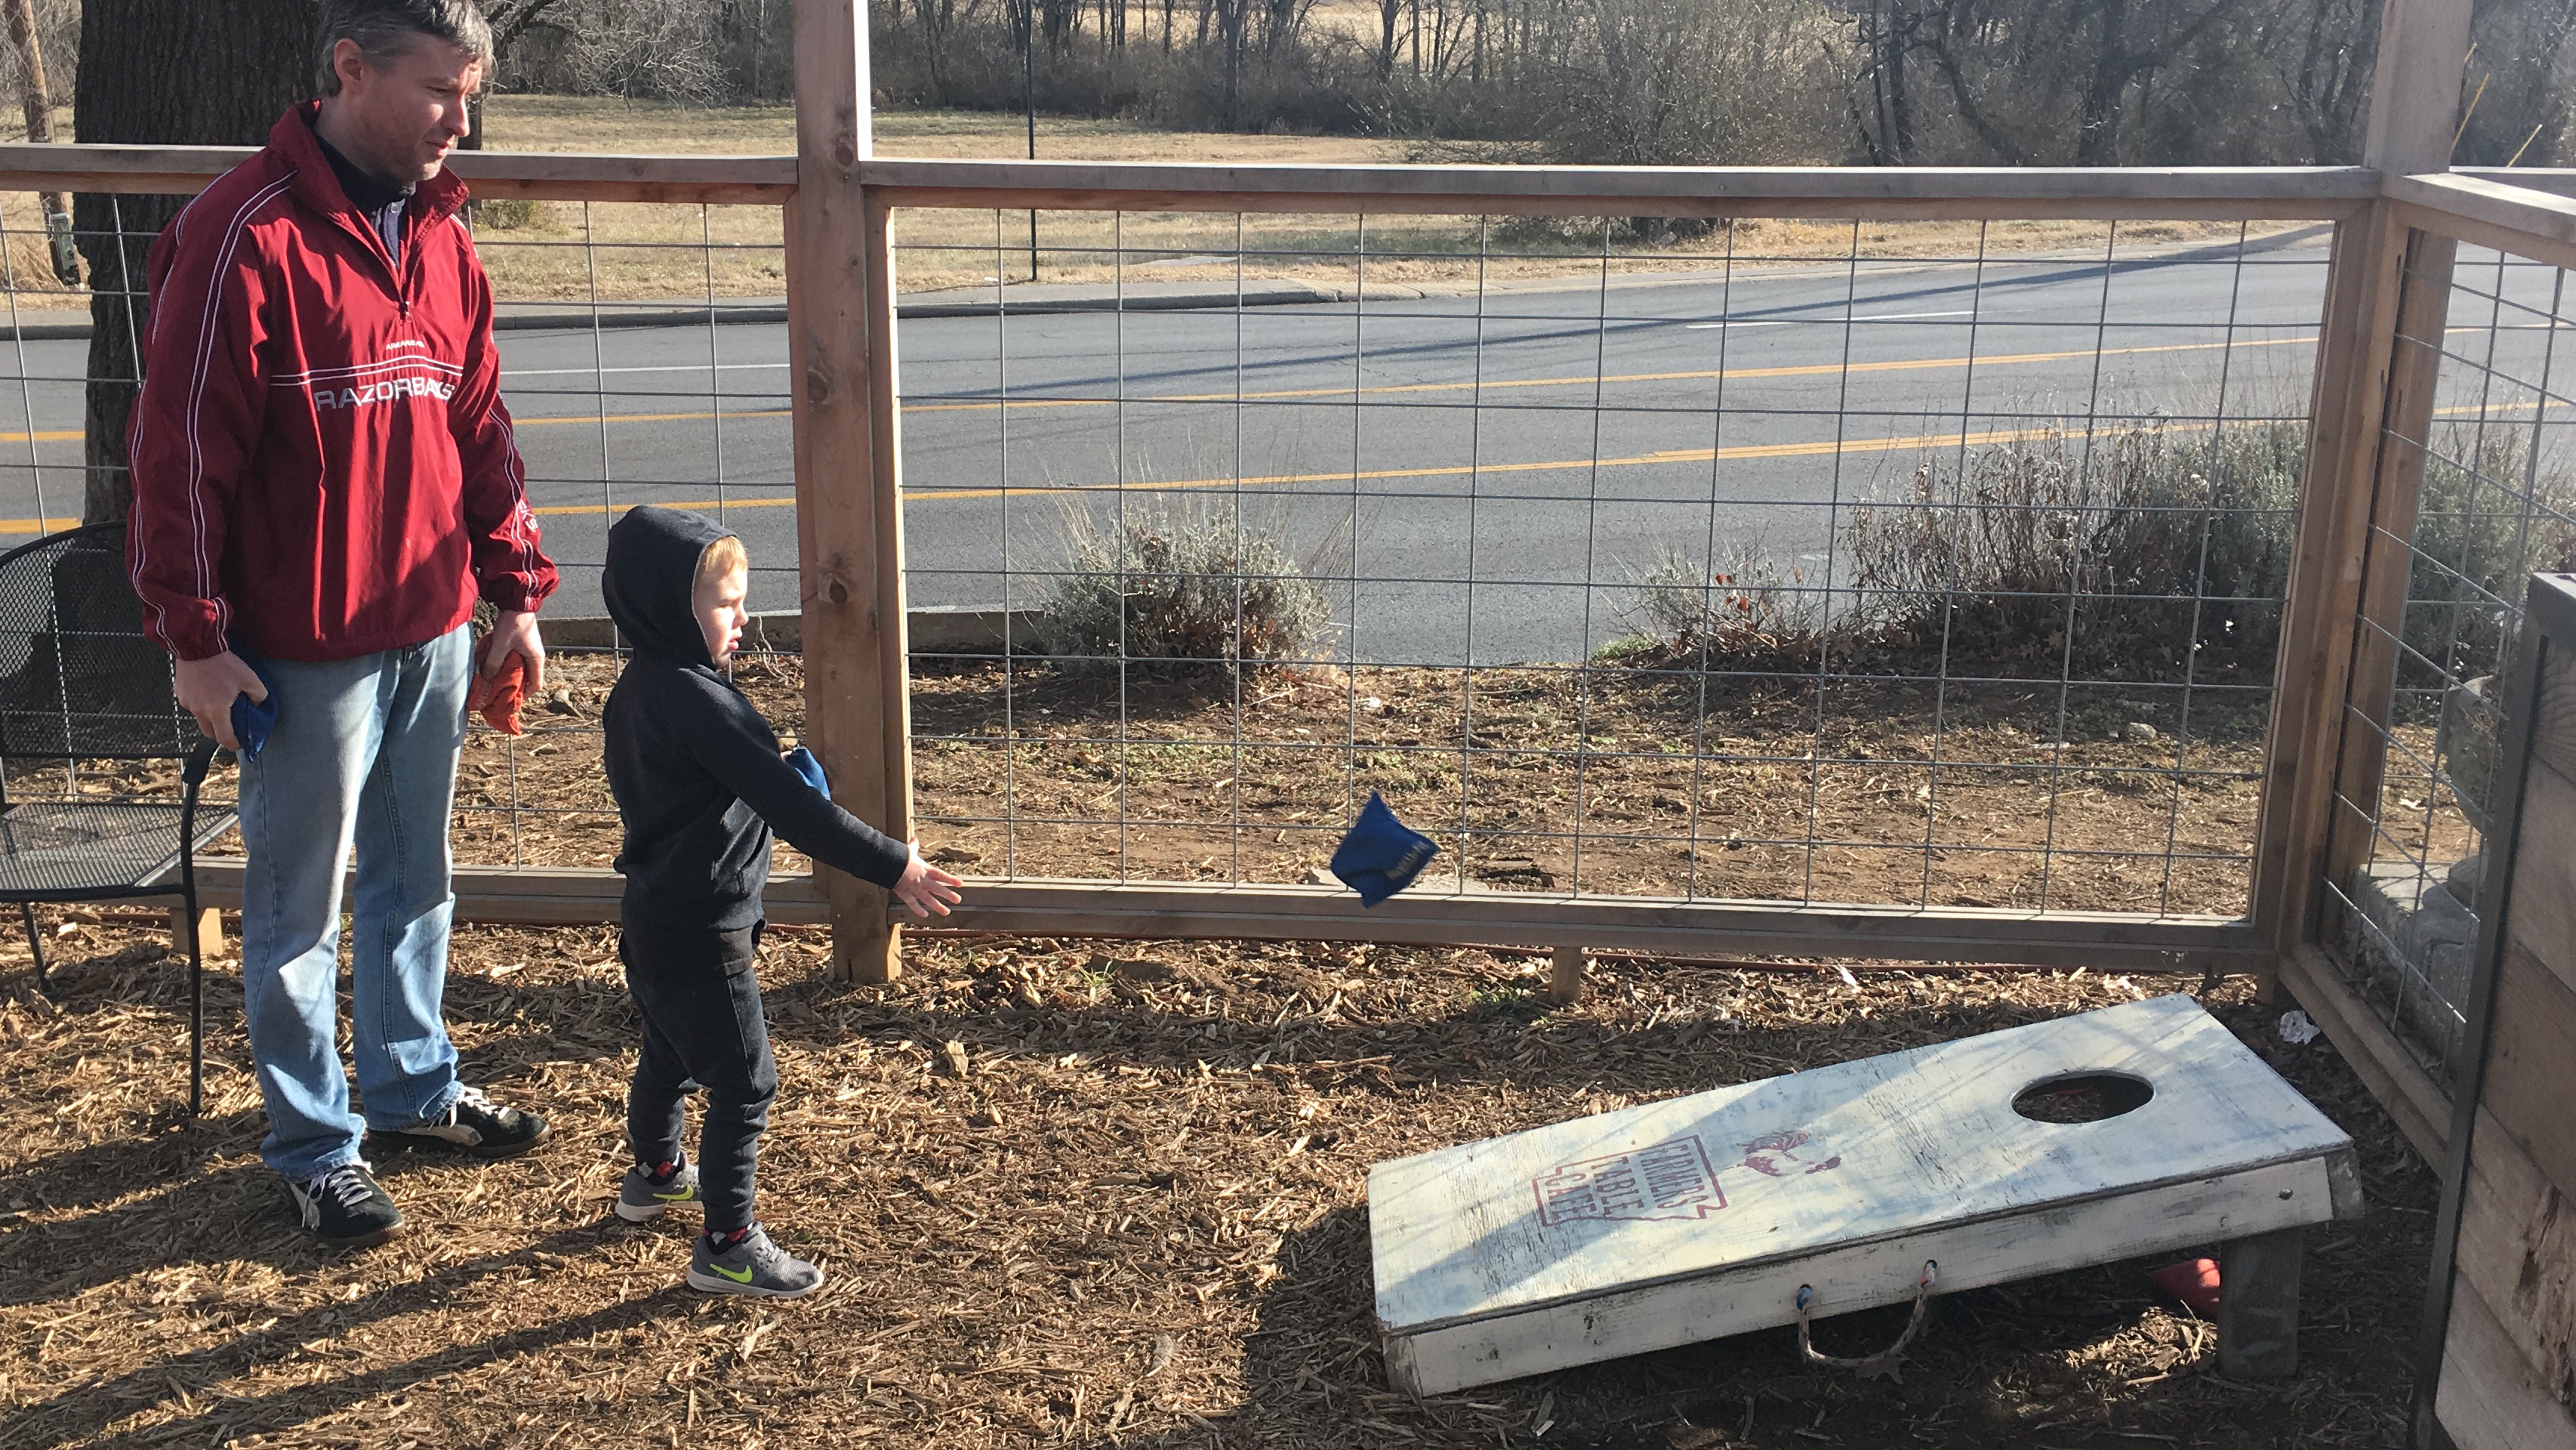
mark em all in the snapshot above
pixel 2354 694
pixel 2496 1357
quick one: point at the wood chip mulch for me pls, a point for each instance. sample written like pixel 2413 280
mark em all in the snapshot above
pixel 1067 1196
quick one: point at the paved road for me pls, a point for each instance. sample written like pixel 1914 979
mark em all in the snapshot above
pixel 1403 448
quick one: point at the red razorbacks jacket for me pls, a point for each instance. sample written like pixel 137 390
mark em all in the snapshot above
pixel 322 464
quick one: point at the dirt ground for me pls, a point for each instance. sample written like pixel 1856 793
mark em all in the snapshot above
pixel 1058 775
pixel 1134 1218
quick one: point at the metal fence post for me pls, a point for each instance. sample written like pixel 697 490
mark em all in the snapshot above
pixel 849 537
pixel 2380 286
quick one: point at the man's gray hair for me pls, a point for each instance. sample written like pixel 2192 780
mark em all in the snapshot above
pixel 383 28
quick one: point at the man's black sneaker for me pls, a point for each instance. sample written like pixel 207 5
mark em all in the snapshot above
pixel 344 1207
pixel 473 1125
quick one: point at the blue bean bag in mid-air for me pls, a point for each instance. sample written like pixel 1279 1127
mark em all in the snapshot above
pixel 1381 855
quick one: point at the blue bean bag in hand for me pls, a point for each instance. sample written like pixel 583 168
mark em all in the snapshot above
pixel 810 768
pixel 252 720
pixel 1381 855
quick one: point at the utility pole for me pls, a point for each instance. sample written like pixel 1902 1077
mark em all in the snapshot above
pixel 40 129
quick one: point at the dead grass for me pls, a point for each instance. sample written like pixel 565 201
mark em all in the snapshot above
pixel 619 252
pixel 1135 1218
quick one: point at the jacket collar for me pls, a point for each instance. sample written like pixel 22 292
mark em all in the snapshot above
pixel 294 145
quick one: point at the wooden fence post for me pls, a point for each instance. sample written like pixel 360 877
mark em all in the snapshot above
pixel 848 528
pixel 2357 495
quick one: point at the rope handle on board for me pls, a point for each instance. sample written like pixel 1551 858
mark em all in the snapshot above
pixel 1883 1362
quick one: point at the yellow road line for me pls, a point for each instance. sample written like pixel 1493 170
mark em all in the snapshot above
pixel 1460 470
pixel 1798 370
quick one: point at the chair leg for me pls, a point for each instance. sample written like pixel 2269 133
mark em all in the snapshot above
pixel 196 1012
pixel 36 944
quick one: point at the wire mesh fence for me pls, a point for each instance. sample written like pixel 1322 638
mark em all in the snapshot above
pixel 1932 563
pixel 2496 503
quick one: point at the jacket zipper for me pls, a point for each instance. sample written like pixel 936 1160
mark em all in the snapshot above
pixel 351 222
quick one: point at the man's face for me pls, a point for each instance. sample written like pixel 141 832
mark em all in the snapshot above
pixel 722 613
pixel 400 119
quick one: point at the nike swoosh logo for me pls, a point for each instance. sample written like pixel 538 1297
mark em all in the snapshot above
pixel 675 1195
pixel 743 1277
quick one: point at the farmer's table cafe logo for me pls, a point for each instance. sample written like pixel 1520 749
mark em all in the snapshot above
pixel 1669 1180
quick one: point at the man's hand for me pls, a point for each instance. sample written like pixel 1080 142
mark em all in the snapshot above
pixel 515 633
pixel 925 888
pixel 207 688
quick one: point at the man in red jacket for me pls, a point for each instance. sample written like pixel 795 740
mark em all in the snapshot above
pixel 324 483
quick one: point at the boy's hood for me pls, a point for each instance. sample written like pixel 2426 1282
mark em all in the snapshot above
pixel 651 577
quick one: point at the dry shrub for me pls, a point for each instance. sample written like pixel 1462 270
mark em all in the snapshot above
pixel 2162 549
pixel 1735 604
pixel 1183 586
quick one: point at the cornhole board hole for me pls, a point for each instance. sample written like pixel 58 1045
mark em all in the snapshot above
pixel 1702 1216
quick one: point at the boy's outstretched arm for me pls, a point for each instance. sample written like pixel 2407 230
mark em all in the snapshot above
pixel 739 750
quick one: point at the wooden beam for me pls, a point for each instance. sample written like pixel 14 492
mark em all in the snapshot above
pixel 208 926
pixel 2355 350
pixel 2414 1101
pixel 848 526
pixel 1565 976
pixel 2395 492
pixel 2101 941
pixel 2414 112
pixel 759 180
pixel 2174 193
pixel 2258 1304
pixel 2415 94
pixel 569 176
pixel 2489 213
pixel 536 896
pixel 2549 180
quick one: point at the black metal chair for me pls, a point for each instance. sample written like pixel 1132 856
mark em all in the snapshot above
pixel 80 684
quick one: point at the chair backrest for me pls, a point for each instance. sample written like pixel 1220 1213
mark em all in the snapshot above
pixel 78 677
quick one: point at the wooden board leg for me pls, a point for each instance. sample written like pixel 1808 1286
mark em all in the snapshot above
pixel 2258 1304
pixel 209 927
pixel 1565 978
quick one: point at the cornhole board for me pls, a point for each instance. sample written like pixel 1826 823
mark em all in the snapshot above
pixel 1702 1216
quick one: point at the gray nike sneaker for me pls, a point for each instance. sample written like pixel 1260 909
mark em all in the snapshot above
pixel 642 1200
pixel 752 1265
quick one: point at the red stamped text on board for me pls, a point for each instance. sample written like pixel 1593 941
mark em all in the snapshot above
pixel 1667 1180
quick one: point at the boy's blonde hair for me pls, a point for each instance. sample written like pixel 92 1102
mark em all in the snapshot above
pixel 717 560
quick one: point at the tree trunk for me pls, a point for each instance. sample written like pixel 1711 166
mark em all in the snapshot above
pixel 166 72
pixel 2097 130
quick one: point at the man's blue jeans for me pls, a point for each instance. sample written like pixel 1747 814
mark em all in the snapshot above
pixel 364 752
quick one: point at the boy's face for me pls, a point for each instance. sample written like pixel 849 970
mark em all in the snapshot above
pixel 722 613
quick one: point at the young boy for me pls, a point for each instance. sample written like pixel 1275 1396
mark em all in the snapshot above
pixel 699 784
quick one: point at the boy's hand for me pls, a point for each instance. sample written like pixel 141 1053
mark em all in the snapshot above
pixel 925 888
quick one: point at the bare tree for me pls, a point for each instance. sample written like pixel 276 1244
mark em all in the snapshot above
pixel 163 72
